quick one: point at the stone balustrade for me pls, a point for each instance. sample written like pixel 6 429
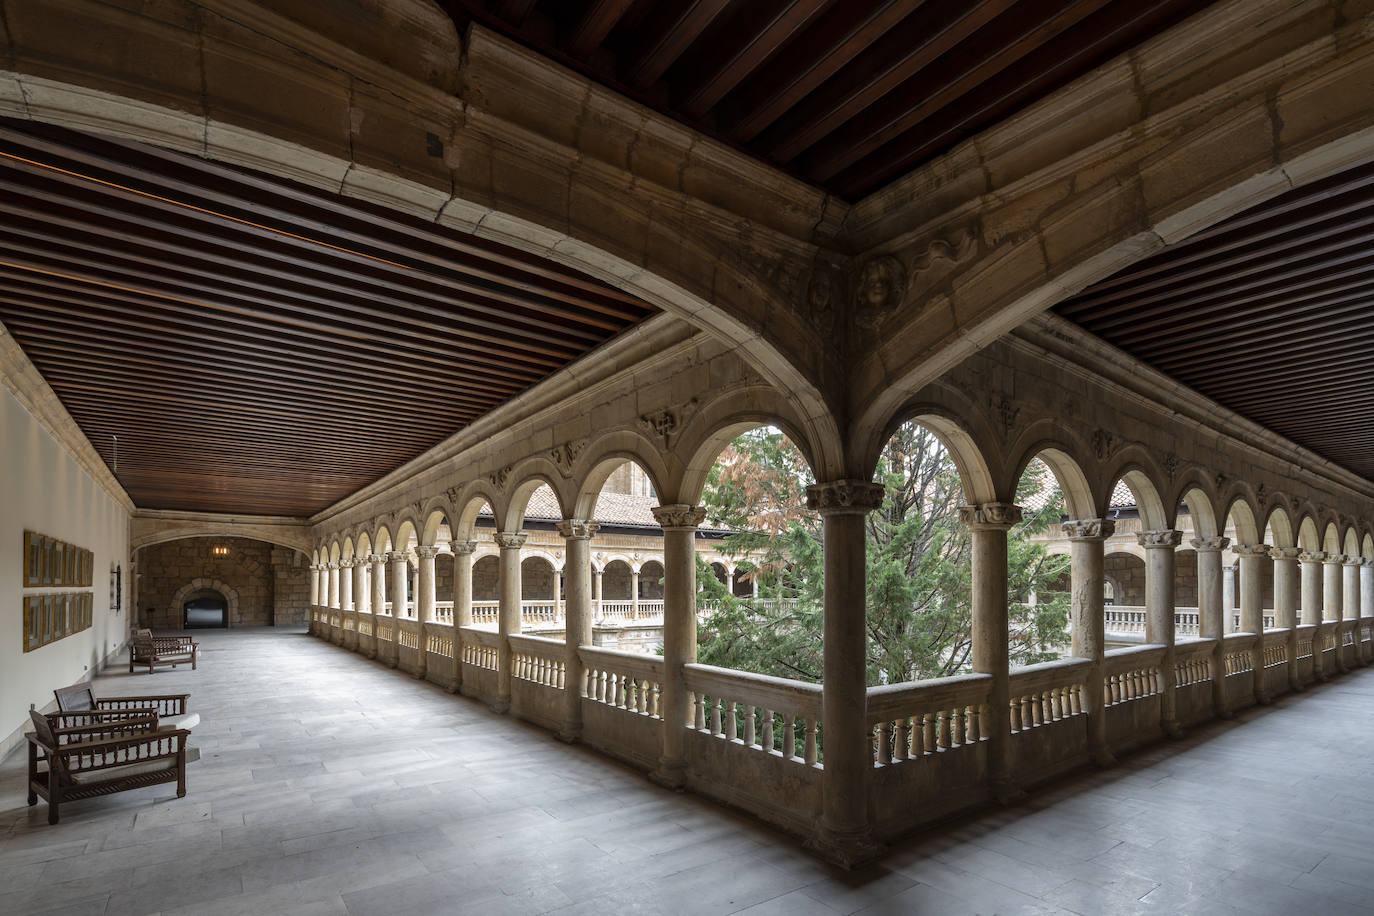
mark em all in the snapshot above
pixel 761 713
pixel 920 719
pixel 1046 693
pixel 1131 673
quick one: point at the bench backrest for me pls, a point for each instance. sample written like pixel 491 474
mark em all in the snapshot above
pixel 75 698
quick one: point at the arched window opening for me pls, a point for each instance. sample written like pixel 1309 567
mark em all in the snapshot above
pixel 1038 586
pixel 767 617
pixel 204 609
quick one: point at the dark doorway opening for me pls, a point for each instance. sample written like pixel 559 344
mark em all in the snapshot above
pixel 206 609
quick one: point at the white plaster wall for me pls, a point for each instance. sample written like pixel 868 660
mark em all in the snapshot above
pixel 43 489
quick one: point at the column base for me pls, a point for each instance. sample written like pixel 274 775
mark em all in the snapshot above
pixel 1172 729
pixel 671 774
pixel 1102 758
pixel 570 735
pixel 500 705
pixel 1006 792
pixel 845 848
pixel 453 687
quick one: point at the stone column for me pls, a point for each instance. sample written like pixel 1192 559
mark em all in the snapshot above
pixel 596 591
pixel 577 627
pixel 846 831
pixel 1160 545
pixel 1087 621
pixel 315 585
pixel 334 585
pixel 679 523
pixel 1228 599
pixel 558 590
pixel 1211 621
pixel 1312 562
pixel 362 586
pixel 508 615
pixel 462 605
pixel 1350 602
pixel 378 582
pixel 989 524
pixel 400 573
pixel 1332 588
pixel 1252 558
pixel 634 594
pixel 346 585
pixel 424 603
pixel 1286 596
pixel 1367 600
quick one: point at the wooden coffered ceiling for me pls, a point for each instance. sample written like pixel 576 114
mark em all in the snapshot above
pixel 845 94
pixel 259 347
pixel 1270 313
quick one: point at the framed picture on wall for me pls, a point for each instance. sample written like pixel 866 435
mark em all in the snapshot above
pixel 68 565
pixel 33 622
pixel 33 559
pixel 48 549
pixel 47 614
pixel 61 608
pixel 88 570
pixel 86 609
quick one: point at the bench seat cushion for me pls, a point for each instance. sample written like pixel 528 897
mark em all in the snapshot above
pixel 133 769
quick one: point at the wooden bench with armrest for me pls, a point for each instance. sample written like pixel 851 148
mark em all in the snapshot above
pixel 150 650
pixel 80 699
pixel 86 761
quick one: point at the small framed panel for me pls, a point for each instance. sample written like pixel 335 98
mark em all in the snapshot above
pixel 49 560
pixel 33 622
pixel 47 629
pixel 33 559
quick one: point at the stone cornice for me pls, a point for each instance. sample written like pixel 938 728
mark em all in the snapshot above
pixel 19 375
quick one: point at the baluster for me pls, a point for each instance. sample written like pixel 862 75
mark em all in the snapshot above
pixel 698 712
pixel 1015 713
pixel 607 694
pixel 789 736
pixel 654 700
pixel 956 730
pixel 1056 704
pixel 767 730
pixel 715 715
pixel 884 733
pixel 900 739
pixel 732 721
pixel 1037 701
pixel 928 736
pixel 749 726
pixel 810 742
pixel 975 724
pixel 944 729
pixel 641 688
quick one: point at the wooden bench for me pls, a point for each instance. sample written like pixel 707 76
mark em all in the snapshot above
pixel 68 763
pixel 79 699
pixel 150 650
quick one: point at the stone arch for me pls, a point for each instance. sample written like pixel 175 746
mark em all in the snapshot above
pixel 382 540
pixel 407 526
pixel 1367 549
pixel 603 456
pixel 334 551
pixel 1241 515
pixel 346 554
pixel 1350 544
pixel 1309 536
pixel 1331 538
pixel 471 500
pixel 1280 526
pixel 1125 570
pixel 538 577
pixel 435 519
pixel 536 474
pixel 722 421
pixel 1043 441
pixel 1153 513
pixel 364 545
pixel 963 429
pixel 231 597
pixel 1202 508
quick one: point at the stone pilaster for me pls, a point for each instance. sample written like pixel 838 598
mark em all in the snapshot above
pixel 577 626
pixel 1211 618
pixel 845 834
pixel 1160 545
pixel 679 523
pixel 508 619
pixel 1087 623
pixel 989 524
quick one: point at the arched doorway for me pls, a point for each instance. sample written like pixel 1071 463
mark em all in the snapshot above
pixel 204 609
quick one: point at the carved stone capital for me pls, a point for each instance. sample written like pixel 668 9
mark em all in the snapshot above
pixel 1209 545
pixel 1335 559
pixel 1353 560
pixel 1285 553
pixel 1251 550
pixel 844 497
pixel 510 540
pixel 359 562
pixel 462 548
pixel 1160 538
pixel 425 552
pixel 396 556
pixel 376 558
pixel 1312 556
pixel 990 516
pixel 679 516
pixel 1089 529
pixel 331 566
pixel 577 528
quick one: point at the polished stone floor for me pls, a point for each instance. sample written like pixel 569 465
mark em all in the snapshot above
pixel 330 784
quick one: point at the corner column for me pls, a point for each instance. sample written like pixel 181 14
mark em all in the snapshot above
pixel 679 523
pixel 846 832
pixel 1286 585
pixel 1251 557
pixel 1312 562
pixel 1211 622
pixel 508 614
pixel 1086 540
pixel 400 572
pixel 424 604
pixel 1160 545
pixel 462 605
pixel 1332 593
pixel 577 627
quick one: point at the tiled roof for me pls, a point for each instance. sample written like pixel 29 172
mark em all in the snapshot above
pixel 611 509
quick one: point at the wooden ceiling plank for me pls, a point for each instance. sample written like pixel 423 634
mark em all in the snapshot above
pixel 596 24
pixel 658 55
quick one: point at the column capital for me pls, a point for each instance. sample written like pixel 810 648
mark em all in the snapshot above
pixel 990 516
pixel 1285 553
pixel 578 528
pixel 396 556
pixel 679 516
pixel 844 497
pixel 510 540
pixel 1209 545
pixel 1089 529
pixel 331 566
pixel 461 548
pixel 426 552
pixel 1250 550
pixel 358 562
pixel 1335 559
pixel 1353 560
pixel 1312 556
pixel 375 558
pixel 1159 539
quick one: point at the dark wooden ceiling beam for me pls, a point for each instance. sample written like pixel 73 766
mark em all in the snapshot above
pixel 683 27
pixel 596 24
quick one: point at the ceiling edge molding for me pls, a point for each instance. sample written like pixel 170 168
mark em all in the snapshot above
pixel 24 381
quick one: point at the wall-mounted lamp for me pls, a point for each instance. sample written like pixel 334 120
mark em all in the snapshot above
pixel 219 551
